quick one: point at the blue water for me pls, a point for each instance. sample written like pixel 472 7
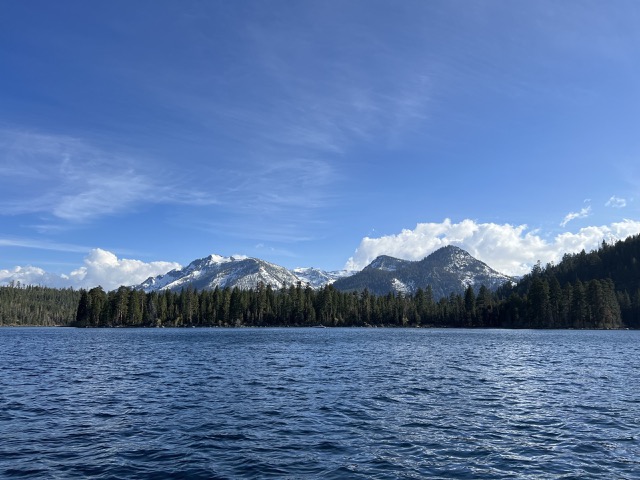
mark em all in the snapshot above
pixel 319 403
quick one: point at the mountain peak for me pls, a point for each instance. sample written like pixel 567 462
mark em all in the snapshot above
pixel 217 271
pixel 215 258
pixel 450 251
pixel 449 269
pixel 386 263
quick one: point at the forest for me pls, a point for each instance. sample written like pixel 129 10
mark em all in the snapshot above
pixel 596 290
pixel 32 305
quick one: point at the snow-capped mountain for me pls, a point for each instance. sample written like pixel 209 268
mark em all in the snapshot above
pixel 318 278
pixel 216 271
pixel 449 269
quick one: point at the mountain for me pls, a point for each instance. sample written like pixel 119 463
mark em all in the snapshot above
pixel 216 271
pixel 318 278
pixel 449 269
pixel 388 264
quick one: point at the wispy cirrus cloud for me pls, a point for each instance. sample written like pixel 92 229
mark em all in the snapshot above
pixel 583 213
pixel 283 113
pixel 69 181
pixel 42 245
pixel 66 177
pixel 277 185
pixel 345 105
pixel 75 180
pixel 315 106
pixel 318 94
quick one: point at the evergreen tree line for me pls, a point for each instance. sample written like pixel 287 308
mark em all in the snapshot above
pixel 547 304
pixel 600 289
pixel 33 305
pixel 293 306
pixel 591 305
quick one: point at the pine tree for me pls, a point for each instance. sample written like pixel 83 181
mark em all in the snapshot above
pixel 82 316
pixel 539 307
pixel 469 306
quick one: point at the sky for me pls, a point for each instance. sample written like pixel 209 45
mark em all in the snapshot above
pixel 138 136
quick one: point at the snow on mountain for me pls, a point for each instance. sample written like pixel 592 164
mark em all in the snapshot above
pixel 470 270
pixel 400 287
pixel 318 278
pixel 449 269
pixel 242 272
pixel 217 271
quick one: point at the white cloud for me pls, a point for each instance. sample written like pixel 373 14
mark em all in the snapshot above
pixel 76 180
pixel 616 202
pixel 583 213
pixel 33 276
pixel 101 267
pixel 66 177
pixel 507 248
pixel 41 245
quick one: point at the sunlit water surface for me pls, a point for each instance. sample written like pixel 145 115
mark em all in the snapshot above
pixel 319 403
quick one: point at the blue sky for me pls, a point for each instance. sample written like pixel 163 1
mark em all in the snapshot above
pixel 136 136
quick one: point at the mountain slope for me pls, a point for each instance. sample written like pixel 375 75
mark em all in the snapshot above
pixel 449 269
pixel 216 271
pixel 317 278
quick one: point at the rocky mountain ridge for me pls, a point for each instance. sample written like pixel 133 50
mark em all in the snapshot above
pixel 216 271
pixel 449 269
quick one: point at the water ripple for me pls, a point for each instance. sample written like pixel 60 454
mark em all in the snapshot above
pixel 310 403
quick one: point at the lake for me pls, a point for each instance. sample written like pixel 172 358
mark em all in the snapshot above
pixel 319 403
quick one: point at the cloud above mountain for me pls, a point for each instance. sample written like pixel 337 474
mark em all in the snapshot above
pixel 510 249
